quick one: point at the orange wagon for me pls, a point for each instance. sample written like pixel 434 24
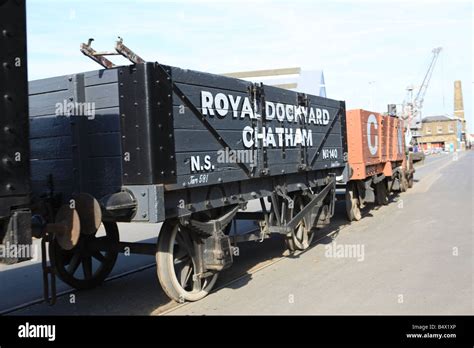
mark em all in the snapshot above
pixel 377 161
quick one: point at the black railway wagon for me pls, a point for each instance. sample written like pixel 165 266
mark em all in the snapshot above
pixel 154 143
pixel 15 231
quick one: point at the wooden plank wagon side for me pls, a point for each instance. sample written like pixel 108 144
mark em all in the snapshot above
pixel 377 161
pixel 165 144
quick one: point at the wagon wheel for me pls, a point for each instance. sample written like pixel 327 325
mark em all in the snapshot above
pixel 302 235
pixel 410 181
pixel 352 202
pixel 381 193
pixel 95 256
pixel 323 216
pixel 410 171
pixel 403 182
pixel 177 265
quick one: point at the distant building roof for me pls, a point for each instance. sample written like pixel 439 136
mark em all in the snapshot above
pixel 295 79
pixel 436 119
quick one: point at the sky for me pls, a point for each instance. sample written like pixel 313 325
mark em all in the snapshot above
pixel 370 51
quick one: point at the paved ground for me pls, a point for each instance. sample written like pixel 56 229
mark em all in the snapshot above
pixel 409 266
pixel 414 256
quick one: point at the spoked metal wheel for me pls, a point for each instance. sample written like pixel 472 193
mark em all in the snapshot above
pixel 302 235
pixel 352 202
pixel 381 193
pixel 87 264
pixel 177 265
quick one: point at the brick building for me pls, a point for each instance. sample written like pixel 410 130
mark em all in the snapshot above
pixel 440 132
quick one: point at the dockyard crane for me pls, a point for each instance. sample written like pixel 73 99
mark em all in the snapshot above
pixel 412 106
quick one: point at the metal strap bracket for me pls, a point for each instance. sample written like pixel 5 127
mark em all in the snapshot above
pixel 49 274
pixel 120 49
pixel 303 100
pixel 282 192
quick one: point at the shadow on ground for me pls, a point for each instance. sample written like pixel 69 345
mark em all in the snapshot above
pixel 140 293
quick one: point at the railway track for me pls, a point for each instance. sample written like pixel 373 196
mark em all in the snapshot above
pixel 63 293
pixel 331 230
